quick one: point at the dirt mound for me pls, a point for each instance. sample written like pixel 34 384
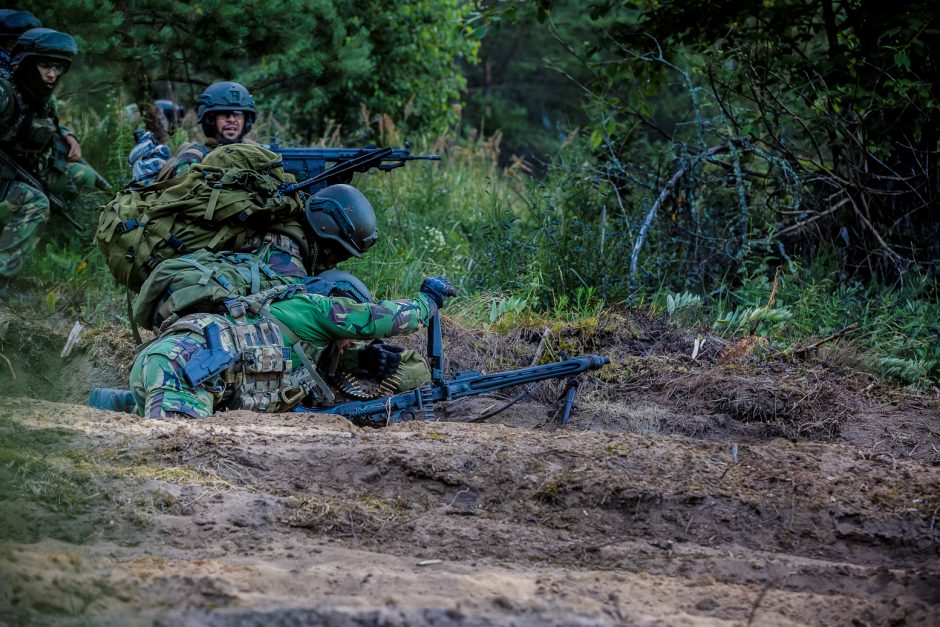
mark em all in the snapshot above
pixel 709 486
pixel 33 366
pixel 278 519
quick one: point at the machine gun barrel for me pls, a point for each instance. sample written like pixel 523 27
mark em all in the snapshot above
pixel 419 403
pixel 471 383
pixel 411 405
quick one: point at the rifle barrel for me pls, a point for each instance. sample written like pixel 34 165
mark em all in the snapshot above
pixel 25 176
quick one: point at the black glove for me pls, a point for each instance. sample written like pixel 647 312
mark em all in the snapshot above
pixel 437 287
pixel 379 360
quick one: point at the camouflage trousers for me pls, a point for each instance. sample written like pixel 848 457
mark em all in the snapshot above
pixel 23 212
pixel 158 385
pixel 77 179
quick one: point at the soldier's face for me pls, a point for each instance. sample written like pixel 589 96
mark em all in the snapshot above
pixel 50 71
pixel 230 124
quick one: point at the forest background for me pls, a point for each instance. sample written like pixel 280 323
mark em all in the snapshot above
pixel 765 168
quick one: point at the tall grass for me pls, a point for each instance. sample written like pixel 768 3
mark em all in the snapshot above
pixel 523 250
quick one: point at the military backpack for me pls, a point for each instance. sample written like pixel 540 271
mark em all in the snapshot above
pixel 232 196
pixel 202 282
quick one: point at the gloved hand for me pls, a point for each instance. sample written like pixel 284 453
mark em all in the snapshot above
pixel 437 288
pixel 380 361
pixel 147 158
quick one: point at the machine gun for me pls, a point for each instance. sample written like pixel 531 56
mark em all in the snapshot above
pixel 309 165
pixel 418 404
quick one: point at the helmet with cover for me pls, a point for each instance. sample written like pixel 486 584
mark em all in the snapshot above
pixel 342 214
pixel 224 96
pixel 44 43
pixel 15 23
pixel 36 46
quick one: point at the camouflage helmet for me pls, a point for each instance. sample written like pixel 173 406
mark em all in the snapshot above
pixel 46 43
pixel 15 23
pixel 336 282
pixel 224 96
pixel 342 214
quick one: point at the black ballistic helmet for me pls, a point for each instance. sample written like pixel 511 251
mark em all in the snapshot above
pixel 342 214
pixel 336 282
pixel 173 112
pixel 15 23
pixel 44 43
pixel 224 96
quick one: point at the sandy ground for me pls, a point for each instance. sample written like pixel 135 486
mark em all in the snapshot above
pixel 674 497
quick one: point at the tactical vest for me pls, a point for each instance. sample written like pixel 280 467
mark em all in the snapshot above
pixel 31 134
pixel 263 377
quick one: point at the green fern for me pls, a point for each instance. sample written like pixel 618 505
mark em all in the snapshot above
pixel 678 302
pixel 907 370
pixel 751 317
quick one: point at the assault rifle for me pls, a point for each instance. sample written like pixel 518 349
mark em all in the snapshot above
pixel 418 404
pixel 10 170
pixel 309 165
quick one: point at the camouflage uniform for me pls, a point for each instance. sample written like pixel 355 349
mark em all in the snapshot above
pixel 25 135
pixel 269 350
pixel 69 180
pixel 23 210
pixel 28 128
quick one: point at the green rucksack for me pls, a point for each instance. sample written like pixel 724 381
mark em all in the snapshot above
pixel 202 282
pixel 220 204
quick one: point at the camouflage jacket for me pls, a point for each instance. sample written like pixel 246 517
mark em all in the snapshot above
pixel 26 133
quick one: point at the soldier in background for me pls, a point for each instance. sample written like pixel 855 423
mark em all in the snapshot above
pixel 226 112
pixel 28 127
pixel 12 25
pixel 66 173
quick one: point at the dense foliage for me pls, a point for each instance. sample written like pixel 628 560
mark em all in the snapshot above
pixel 317 64
pixel 731 133
pixel 763 169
